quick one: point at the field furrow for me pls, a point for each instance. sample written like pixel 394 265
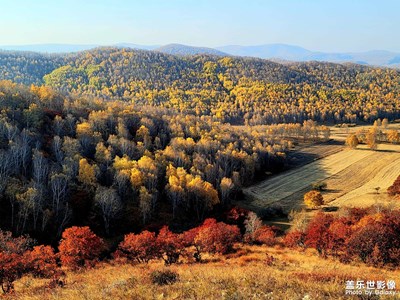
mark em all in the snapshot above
pixel 357 177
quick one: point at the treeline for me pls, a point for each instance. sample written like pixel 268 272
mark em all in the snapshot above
pixel 117 166
pixel 377 134
pixel 229 89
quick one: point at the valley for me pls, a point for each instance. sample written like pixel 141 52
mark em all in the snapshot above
pixel 199 150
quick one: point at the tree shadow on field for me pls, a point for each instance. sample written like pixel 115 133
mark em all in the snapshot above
pixel 330 208
pixel 332 191
pixel 284 191
pixel 379 150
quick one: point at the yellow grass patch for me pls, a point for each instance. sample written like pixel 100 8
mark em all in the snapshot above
pixel 291 275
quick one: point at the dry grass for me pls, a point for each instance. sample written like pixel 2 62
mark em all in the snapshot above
pixel 291 275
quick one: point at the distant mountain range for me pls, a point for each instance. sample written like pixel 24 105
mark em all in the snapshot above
pixel 68 48
pixel 178 49
pixel 295 53
pixel 279 52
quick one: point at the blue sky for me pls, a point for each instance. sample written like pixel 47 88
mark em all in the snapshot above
pixel 341 25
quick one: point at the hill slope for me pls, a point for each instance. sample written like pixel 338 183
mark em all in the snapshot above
pixel 233 89
pixel 291 275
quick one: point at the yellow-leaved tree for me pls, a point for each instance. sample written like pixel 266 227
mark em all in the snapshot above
pixel 87 173
pixel 313 199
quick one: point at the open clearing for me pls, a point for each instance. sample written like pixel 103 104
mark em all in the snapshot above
pixel 358 177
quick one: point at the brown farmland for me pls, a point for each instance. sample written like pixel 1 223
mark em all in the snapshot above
pixel 354 177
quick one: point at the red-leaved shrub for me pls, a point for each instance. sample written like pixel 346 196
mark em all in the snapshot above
pixel 394 189
pixel 170 245
pixel 17 258
pixel 80 247
pixel 188 240
pixel 294 239
pixel 265 235
pixel 140 247
pixel 42 261
pixel 318 235
pixel 216 237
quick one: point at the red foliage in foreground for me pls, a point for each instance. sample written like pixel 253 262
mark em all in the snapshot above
pixel 216 237
pixel 373 238
pixel 265 235
pixel 211 236
pixel 80 247
pixel 11 268
pixel 394 189
pixel 42 262
pixel 318 236
pixel 17 259
pixel 294 239
pixel 170 245
pixel 141 247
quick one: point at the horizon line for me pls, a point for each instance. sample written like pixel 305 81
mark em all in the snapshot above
pixel 94 45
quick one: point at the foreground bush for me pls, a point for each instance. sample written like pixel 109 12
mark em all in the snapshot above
pixel 377 243
pixel 294 239
pixel 170 245
pixel 216 237
pixel 394 189
pixel 80 247
pixel 42 262
pixel 318 236
pixel 140 247
pixel 211 237
pixel 265 235
pixel 17 258
pixel 373 238
pixel 164 277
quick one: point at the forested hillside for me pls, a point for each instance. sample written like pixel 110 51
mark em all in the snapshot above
pixel 230 89
pixel 117 166
pixel 27 67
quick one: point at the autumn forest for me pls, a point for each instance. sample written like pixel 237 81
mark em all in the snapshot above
pixel 137 155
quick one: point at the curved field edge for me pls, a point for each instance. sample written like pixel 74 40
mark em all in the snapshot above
pixel 355 177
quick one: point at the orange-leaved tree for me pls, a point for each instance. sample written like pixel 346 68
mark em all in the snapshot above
pixel 140 247
pixel 80 247
pixel 12 261
pixel 42 262
pixel 170 245
pixel 216 237
pixel 318 234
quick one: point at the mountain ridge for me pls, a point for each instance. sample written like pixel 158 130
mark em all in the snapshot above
pixel 274 52
pixel 297 53
pixel 184 50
